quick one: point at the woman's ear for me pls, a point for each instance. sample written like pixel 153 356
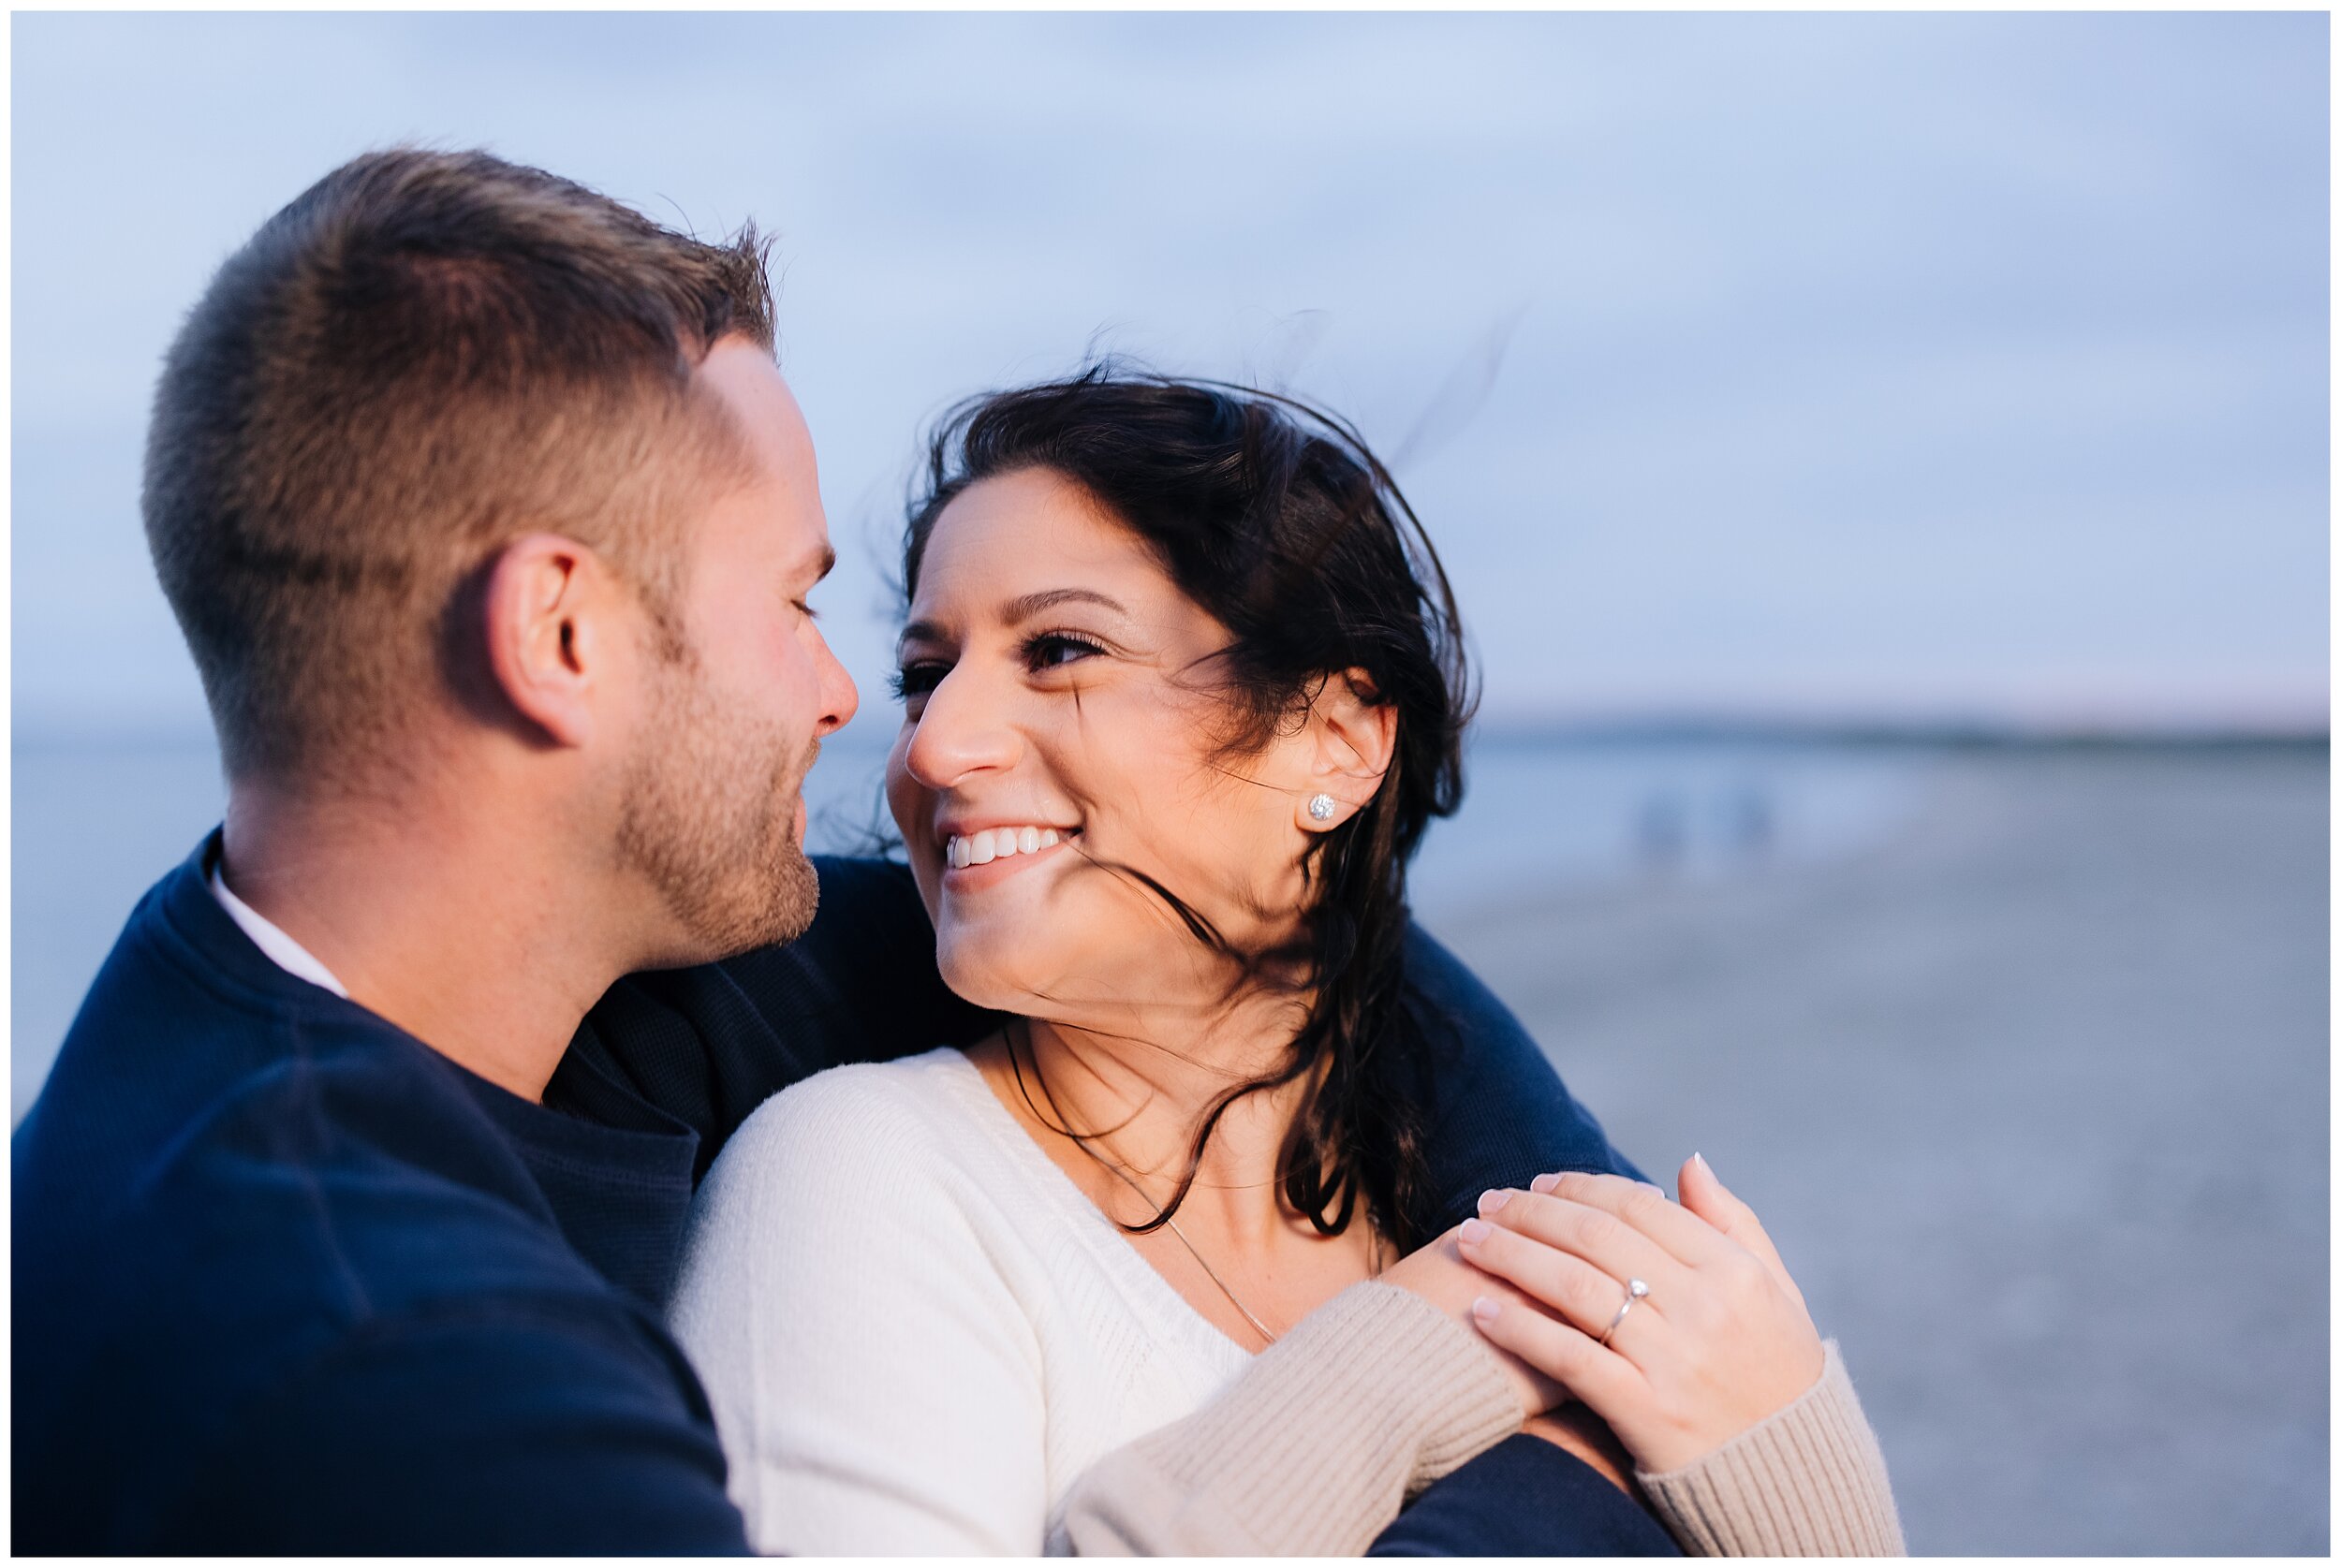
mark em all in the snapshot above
pixel 547 606
pixel 1352 738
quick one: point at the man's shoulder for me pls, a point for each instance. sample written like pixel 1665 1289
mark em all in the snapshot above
pixel 496 1421
pixel 318 1140
pixel 216 1190
pixel 287 1251
pixel 292 1202
pixel 253 1219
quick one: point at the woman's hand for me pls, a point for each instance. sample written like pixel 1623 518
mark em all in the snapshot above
pixel 1438 1274
pixel 1721 1341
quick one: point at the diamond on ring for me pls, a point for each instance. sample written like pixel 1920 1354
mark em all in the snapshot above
pixel 1635 1291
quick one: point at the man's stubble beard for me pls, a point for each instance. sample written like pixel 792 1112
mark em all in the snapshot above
pixel 707 817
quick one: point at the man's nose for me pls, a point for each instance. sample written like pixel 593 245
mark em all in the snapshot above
pixel 840 700
pixel 962 729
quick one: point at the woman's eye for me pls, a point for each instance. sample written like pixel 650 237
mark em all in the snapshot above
pixel 1052 648
pixel 917 679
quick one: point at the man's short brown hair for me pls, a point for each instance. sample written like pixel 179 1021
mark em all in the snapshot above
pixel 422 358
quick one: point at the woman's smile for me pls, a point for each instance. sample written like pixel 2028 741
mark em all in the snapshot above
pixel 974 859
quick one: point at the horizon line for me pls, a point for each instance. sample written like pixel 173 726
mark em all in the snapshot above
pixel 1654 723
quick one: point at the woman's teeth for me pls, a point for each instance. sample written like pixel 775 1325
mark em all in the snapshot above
pixel 997 843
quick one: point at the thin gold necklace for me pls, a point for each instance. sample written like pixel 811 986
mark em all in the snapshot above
pixel 1204 1263
pixel 1373 1241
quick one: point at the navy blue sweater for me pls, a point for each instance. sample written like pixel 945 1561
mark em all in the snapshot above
pixel 287 1279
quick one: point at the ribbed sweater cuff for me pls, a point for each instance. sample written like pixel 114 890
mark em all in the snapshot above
pixel 1311 1453
pixel 1807 1481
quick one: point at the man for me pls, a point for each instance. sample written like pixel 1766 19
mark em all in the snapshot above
pixel 345 1218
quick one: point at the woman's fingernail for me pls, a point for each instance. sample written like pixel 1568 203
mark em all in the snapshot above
pixel 1544 1183
pixel 1476 1231
pixel 1484 1308
pixel 1494 1199
pixel 1700 1161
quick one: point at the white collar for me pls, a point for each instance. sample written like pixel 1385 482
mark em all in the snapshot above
pixel 289 956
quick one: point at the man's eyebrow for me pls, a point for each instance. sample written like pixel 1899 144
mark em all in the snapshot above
pixel 815 564
pixel 1030 604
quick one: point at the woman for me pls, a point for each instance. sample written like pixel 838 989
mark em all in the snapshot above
pixel 1182 686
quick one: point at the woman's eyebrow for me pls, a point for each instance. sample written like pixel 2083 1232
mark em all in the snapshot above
pixel 1016 612
pixel 1030 604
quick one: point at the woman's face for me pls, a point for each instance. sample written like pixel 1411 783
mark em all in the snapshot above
pixel 1059 724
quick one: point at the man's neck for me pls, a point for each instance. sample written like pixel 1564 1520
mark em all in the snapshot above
pixel 467 928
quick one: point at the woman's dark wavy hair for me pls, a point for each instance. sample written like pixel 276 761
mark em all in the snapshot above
pixel 1277 519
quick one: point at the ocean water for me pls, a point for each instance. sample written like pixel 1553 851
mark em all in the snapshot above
pixel 96 823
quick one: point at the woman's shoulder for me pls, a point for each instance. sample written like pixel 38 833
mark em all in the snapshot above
pixel 898 1118
pixel 867 1183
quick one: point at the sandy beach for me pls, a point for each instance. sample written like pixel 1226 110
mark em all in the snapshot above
pixel 2034 1098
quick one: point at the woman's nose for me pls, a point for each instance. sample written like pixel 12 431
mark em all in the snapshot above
pixel 963 729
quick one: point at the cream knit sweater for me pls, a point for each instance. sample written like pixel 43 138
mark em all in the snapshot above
pixel 919 1336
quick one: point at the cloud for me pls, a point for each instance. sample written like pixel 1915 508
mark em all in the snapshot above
pixel 1845 344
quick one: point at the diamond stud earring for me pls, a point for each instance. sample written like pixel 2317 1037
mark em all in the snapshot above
pixel 1320 807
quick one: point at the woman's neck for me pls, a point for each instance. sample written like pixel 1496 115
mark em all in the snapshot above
pixel 1134 1103
pixel 1118 1111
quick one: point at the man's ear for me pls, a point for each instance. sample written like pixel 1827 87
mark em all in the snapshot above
pixel 1351 739
pixel 549 610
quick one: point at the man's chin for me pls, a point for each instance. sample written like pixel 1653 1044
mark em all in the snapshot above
pixel 775 907
pixel 727 864
pixel 793 914
pixel 790 893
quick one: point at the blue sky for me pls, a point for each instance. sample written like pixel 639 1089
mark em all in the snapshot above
pixel 1881 365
